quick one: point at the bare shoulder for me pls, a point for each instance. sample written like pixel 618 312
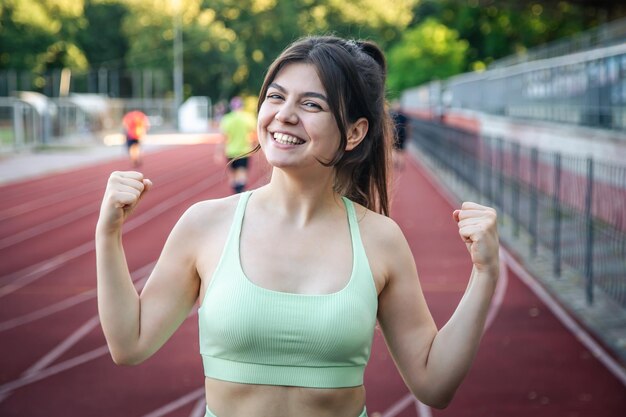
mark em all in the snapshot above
pixel 377 229
pixel 206 215
pixel 385 245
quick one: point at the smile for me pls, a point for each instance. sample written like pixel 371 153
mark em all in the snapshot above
pixel 285 139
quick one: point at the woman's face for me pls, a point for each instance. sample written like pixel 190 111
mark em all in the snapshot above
pixel 296 127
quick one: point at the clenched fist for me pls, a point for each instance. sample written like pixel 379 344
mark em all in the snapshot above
pixel 479 230
pixel 123 193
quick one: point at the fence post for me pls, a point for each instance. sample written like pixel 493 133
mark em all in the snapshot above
pixel 589 232
pixel 557 214
pixel 534 178
pixel 18 125
pixel 500 195
pixel 516 185
pixel 487 175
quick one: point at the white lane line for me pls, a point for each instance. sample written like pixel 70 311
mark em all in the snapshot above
pixel 7 388
pixel 19 279
pixel 47 311
pixel 25 276
pixel 61 194
pixel 63 347
pixel 45 201
pixel 55 223
pixel 176 404
pixel 199 410
pixel 69 341
pixel 63 304
pixel 581 334
pixel 53 370
pixel 73 215
pixel 399 406
pixel 422 409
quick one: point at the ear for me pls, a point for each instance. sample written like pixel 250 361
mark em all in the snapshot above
pixel 356 133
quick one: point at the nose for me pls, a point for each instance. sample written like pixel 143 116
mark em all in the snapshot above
pixel 286 114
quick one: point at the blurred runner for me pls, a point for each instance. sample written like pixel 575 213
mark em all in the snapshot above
pixel 238 128
pixel 136 125
pixel 401 126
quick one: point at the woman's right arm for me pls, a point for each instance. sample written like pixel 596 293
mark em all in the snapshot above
pixel 136 326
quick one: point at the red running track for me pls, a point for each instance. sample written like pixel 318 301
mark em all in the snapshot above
pixel 53 357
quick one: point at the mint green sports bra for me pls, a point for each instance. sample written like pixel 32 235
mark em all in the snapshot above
pixel 253 335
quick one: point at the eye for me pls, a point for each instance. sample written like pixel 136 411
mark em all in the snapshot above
pixel 273 96
pixel 312 105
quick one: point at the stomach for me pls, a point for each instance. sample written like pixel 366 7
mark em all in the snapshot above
pixel 231 399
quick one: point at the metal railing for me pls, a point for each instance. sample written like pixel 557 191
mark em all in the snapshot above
pixel 608 34
pixel 572 207
pixel 586 88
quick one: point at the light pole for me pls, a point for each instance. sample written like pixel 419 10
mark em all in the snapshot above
pixel 178 61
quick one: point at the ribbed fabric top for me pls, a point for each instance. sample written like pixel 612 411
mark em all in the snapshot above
pixel 253 335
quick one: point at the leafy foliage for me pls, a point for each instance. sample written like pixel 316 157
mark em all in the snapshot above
pixel 426 52
pixel 228 44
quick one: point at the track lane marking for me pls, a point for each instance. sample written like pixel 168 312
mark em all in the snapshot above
pixel 53 370
pixel 42 373
pixel 64 304
pixel 422 409
pixel 199 410
pixel 176 404
pixel 71 340
pixel 566 320
pixel 19 279
pixel 75 214
pixel 45 201
pixel 62 347
pixel 52 224
pixel 78 360
pixel 57 194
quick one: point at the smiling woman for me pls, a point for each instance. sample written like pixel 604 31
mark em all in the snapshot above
pixel 344 80
pixel 292 277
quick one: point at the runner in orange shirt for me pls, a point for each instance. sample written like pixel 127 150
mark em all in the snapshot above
pixel 136 125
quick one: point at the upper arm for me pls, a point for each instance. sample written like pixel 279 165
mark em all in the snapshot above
pixel 403 315
pixel 173 286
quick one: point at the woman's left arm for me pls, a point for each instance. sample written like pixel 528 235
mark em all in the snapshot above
pixel 434 362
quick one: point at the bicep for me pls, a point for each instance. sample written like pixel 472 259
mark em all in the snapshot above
pixel 403 315
pixel 172 288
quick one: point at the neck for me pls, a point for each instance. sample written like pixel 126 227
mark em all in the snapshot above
pixel 300 199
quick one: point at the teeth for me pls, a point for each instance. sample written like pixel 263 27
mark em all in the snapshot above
pixel 287 139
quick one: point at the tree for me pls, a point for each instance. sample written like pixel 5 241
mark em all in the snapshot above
pixel 38 35
pixel 102 39
pixel 499 28
pixel 426 52
pixel 265 27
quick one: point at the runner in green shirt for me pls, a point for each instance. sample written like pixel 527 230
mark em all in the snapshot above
pixel 238 128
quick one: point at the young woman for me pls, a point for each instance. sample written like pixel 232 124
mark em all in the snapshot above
pixel 292 277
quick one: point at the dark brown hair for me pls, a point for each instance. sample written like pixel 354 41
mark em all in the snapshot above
pixel 353 74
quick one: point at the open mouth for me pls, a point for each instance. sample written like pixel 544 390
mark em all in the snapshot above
pixel 286 139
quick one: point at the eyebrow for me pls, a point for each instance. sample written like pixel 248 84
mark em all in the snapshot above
pixel 305 94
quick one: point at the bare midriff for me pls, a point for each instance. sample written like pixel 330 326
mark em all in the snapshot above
pixel 230 399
